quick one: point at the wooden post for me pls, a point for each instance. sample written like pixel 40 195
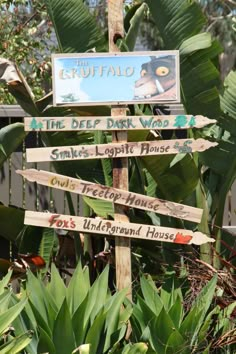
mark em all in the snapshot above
pixel 120 166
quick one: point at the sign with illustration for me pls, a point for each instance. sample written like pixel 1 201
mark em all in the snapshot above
pixel 102 151
pixel 114 195
pixel 117 78
pixel 180 121
pixel 115 228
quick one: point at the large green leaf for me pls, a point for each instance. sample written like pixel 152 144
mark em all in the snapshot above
pixel 147 314
pixel 189 326
pixel 196 317
pixel 134 25
pixel 140 348
pixel 45 342
pixel 205 75
pixel 78 287
pixel 75 27
pixel 197 42
pixel 176 20
pixel 11 137
pixel 180 24
pixel 170 290
pixel 100 207
pixel 23 322
pixel 79 325
pixel 63 335
pixel 10 314
pixel 4 282
pixel 176 178
pixel 42 302
pixel 223 156
pixel 46 247
pixel 101 293
pixel 151 296
pixel 228 103
pixel 56 287
pixel 100 138
pixel 203 302
pixel 176 343
pixel 4 301
pixel 95 333
pixel 176 312
pixel 15 345
pixel 94 303
pixel 161 328
pixel 113 318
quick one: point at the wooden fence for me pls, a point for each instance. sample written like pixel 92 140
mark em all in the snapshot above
pixel 13 189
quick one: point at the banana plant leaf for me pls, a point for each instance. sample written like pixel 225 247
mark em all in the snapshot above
pixel 76 28
pixel 228 104
pixel 176 178
pixel 180 24
pixel 222 159
pixel 11 137
pixel 176 20
pixel 132 24
pixel 100 207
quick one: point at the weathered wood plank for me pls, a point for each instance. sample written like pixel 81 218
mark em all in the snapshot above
pixel 121 149
pixel 111 194
pixel 120 166
pixel 115 228
pixel 180 121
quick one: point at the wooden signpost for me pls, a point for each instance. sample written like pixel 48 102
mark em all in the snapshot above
pixel 147 77
pixel 114 195
pixel 114 228
pixel 121 149
pixel 120 166
pixel 116 123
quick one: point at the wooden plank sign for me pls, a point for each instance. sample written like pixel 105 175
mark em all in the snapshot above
pixel 116 123
pixel 101 151
pixel 113 195
pixel 124 78
pixel 115 228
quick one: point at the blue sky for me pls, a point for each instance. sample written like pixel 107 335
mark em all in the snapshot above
pixel 99 87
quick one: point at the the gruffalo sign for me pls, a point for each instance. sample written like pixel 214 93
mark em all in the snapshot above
pixel 115 78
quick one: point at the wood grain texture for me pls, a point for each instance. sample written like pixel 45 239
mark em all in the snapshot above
pixel 120 166
pixel 119 148
pixel 115 228
pixel 111 194
pixel 112 123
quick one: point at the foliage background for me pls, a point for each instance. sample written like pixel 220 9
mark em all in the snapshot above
pixel 27 38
